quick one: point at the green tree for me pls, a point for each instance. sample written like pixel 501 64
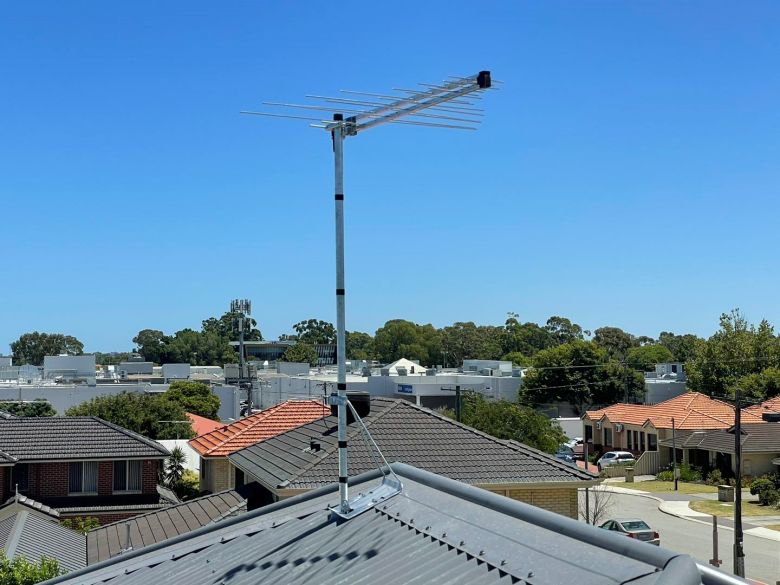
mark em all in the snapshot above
pixel 399 338
pixel 174 467
pixel 227 326
pixel 563 330
pixel 82 524
pixel 194 397
pixel 31 348
pixel 151 344
pixel 682 347
pixel 141 413
pixel 646 356
pixel 360 346
pixel 37 408
pixel 300 353
pixel 112 358
pixel 20 571
pixel 510 421
pixel 758 387
pixel 526 338
pixel 581 374
pixel 616 341
pixel 518 359
pixel 315 331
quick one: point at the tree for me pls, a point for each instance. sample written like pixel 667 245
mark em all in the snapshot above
pixel 31 348
pixel 461 341
pixel 82 524
pixel 300 353
pixel 194 397
pixel 526 338
pixel 399 338
pixel 227 326
pixel 563 330
pixel 518 359
pixel 682 347
pixel 174 467
pixel 20 571
pixel 581 374
pixel 600 502
pixel 315 331
pixel 758 387
pixel 112 358
pixel 360 346
pixel 645 357
pixel 141 413
pixel 507 420
pixel 151 344
pixel 616 341
pixel 38 408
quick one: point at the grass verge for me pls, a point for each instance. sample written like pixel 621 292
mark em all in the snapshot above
pixel 727 509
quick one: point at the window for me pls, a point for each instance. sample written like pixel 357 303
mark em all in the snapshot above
pixel 641 441
pixel 588 433
pixel 629 435
pixel 652 442
pixel 127 476
pixel 608 437
pixel 20 478
pixel 674 368
pixel 82 477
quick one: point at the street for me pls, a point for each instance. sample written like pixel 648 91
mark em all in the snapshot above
pixel 762 556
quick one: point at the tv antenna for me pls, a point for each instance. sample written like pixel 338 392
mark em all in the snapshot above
pixel 241 309
pixel 451 105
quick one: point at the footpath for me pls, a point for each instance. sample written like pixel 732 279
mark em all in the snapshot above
pixel 678 504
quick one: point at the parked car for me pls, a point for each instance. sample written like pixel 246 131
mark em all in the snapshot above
pixel 574 442
pixel 614 458
pixel 633 528
pixel 566 457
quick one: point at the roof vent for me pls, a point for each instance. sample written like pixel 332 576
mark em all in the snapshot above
pixel 314 446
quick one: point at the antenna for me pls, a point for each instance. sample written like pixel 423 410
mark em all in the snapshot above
pixel 242 308
pixel 441 105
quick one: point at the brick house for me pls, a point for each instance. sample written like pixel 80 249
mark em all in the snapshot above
pixel 306 458
pixel 216 471
pixel 80 466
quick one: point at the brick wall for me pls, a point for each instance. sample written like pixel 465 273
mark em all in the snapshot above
pixel 149 476
pixel 4 493
pixel 219 476
pixel 561 500
pixel 48 480
pixel 105 478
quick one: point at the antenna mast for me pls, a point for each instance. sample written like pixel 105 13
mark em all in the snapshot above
pixel 437 106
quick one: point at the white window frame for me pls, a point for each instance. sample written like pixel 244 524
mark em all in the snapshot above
pixel 83 476
pixel 127 476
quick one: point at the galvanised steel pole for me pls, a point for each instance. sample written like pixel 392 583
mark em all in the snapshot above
pixel 341 380
pixel 739 552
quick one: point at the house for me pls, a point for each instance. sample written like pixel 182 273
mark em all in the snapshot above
pixel 216 472
pixel 143 530
pixel 80 466
pixel 638 428
pixel 32 530
pixel 202 425
pixel 771 406
pixel 306 458
pixel 436 531
pixel 715 448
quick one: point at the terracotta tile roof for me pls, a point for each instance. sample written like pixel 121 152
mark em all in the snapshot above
pixel 691 410
pixel 771 405
pixel 272 421
pixel 202 425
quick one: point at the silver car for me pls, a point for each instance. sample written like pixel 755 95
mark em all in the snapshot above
pixel 633 528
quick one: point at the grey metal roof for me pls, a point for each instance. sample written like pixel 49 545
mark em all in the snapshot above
pixel 109 540
pixel 758 438
pixel 436 531
pixel 404 432
pixel 74 437
pixel 34 536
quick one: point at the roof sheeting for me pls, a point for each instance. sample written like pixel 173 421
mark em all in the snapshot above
pixel 33 536
pixel 404 432
pixel 691 410
pixel 73 437
pixel 437 531
pixel 757 438
pixel 258 427
pixel 110 540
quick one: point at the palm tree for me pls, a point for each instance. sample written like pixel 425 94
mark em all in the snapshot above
pixel 174 467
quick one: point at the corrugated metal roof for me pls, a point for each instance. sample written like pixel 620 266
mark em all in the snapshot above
pixel 23 500
pixel 109 540
pixel 437 531
pixel 33 536
pixel 73 437
pixel 404 432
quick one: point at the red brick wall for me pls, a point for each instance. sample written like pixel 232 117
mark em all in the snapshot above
pixel 149 477
pixel 4 494
pixel 105 478
pixel 48 480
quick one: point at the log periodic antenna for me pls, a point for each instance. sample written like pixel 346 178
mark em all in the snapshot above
pixel 452 104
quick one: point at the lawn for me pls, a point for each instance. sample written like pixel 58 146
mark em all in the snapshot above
pixel 668 486
pixel 773 527
pixel 727 508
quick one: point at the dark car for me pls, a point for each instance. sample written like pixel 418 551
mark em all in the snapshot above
pixel 633 528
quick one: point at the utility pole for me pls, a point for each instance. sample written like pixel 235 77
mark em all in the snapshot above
pixel 674 454
pixel 587 491
pixel 739 552
pixel 458 411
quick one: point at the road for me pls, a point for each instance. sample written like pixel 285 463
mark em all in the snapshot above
pixel 762 556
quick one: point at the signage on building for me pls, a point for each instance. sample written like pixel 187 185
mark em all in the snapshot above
pixel 405 389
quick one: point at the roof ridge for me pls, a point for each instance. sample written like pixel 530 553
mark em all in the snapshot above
pixel 132 434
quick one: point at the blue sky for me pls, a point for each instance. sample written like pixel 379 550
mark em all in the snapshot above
pixel 626 174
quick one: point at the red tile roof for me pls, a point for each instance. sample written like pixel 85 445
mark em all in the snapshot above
pixel 202 425
pixel 272 421
pixel 691 410
pixel 771 405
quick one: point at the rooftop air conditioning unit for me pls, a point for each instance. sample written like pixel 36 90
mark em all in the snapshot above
pixel 401 371
pixel 618 428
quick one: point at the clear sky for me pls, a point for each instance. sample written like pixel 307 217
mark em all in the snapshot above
pixel 626 174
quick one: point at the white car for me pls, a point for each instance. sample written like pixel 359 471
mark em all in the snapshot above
pixel 633 528
pixel 614 458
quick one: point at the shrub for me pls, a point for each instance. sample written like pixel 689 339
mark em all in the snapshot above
pixel 688 473
pixel 666 475
pixel 715 477
pixel 766 491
